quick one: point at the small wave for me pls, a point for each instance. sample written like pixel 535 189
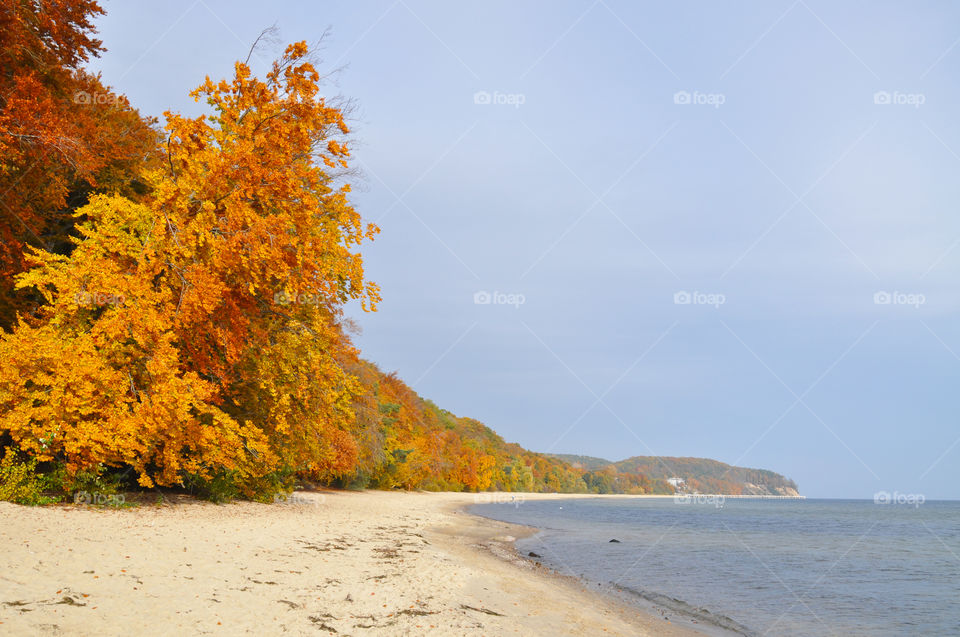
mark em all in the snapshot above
pixel 683 608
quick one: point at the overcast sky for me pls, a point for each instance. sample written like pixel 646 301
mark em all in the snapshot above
pixel 726 230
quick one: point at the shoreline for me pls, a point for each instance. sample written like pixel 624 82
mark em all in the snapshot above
pixel 334 562
pixel 610 612
pixel 648 610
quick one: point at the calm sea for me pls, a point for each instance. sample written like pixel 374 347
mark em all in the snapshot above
pixel 765 567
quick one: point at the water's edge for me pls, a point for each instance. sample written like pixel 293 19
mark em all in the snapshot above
pixel 693 612
pixel 644 600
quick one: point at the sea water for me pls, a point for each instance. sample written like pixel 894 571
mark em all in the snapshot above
pixel 762 567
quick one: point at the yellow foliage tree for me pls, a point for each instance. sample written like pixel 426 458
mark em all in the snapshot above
pixel 196 333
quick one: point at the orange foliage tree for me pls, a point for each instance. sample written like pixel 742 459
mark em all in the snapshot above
pixel 63 134
pixel 194 333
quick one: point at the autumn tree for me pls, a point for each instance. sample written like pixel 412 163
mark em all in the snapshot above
pixel 63 134
pixel 203 321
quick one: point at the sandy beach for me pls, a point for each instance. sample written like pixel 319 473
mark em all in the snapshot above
pixel 348 563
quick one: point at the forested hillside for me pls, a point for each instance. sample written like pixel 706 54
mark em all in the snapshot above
pixel 172 295
pixel 698 475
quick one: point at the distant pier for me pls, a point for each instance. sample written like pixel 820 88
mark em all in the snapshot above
pixel 740 497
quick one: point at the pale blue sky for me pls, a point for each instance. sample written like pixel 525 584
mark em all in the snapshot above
pixel 600 197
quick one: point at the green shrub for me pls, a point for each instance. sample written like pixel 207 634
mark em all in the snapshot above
pixel 99 485
pixel 21 483
pixel 226 486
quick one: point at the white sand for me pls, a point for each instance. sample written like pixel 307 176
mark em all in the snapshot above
pixel 367 563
